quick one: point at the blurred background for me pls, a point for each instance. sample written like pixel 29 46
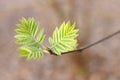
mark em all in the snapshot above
pixel 95 19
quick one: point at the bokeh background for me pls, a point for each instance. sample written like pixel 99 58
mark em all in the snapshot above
pixel 95 19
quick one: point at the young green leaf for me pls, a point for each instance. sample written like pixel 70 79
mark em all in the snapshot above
pixel 64 38
pixel 29 39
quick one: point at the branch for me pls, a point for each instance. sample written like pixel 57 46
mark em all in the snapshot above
pixel 92 44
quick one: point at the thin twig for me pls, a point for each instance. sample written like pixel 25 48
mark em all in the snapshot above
pixel 93 44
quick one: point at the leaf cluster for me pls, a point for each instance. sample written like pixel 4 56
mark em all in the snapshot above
pixel 31 40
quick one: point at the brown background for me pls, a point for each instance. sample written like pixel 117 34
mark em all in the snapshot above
pixel 95 19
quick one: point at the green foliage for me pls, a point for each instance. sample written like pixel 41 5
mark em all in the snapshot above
pixel 30 39
pixel 64 38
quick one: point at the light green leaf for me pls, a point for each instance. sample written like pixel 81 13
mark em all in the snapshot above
pixel 30 41
pixel 24 52
pixel 64 38
pixel 40 37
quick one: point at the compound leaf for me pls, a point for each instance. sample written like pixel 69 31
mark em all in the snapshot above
pixel 64 38
pixel 29 39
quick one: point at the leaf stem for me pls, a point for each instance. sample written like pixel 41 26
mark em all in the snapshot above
pixel 93 44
